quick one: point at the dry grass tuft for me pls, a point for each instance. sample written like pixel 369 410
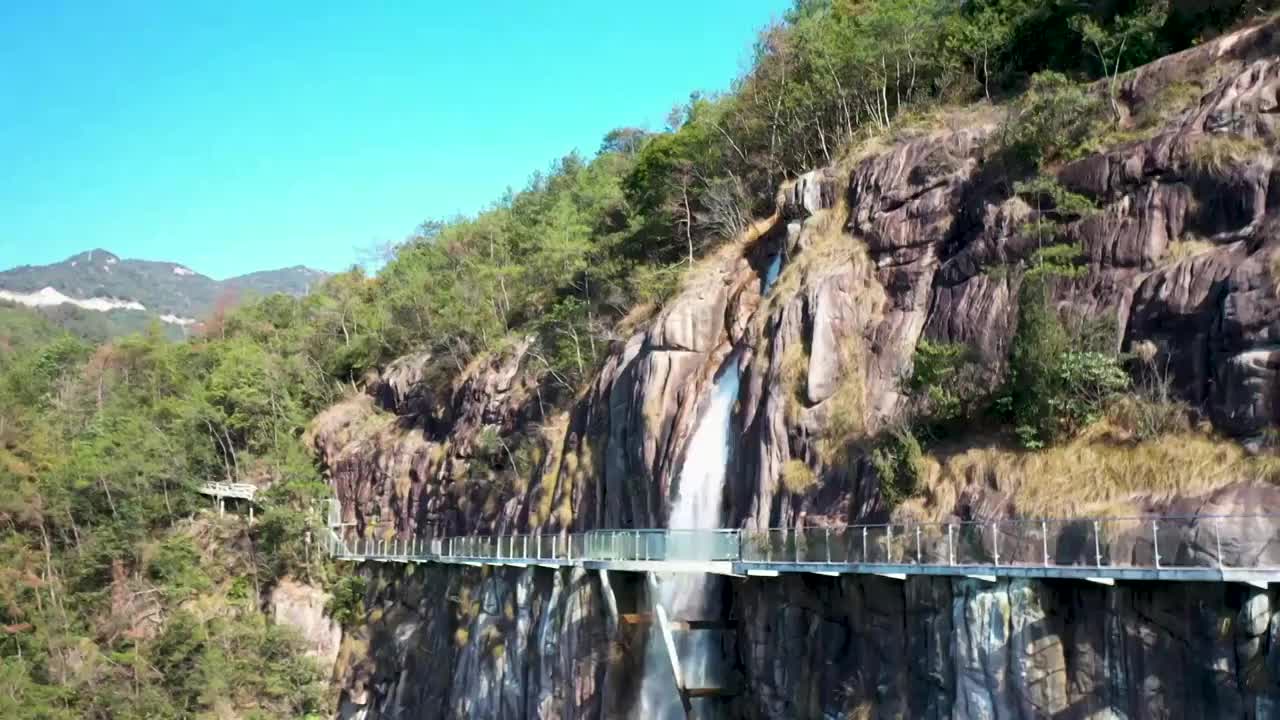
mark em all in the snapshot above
pixel 1103 472
pixel 917 123
pixel 826 246
pixel 793 379
pixel 1213 154
pixel 637 317
pixel 845 410
pixel 1172 99
pixel 797 477
pixel 553 435
pixel 1187 248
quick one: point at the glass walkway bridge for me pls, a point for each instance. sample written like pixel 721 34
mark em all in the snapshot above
pixel 1227 548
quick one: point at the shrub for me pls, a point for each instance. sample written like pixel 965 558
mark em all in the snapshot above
pixel 346 600
pixel 1053 261
pixel 1146 418
pixel 1053 390
pixel 1053 121
pixel 1155 409
pixel 935 369
pixel 1054 201
pixel 897 460
pixel 176 564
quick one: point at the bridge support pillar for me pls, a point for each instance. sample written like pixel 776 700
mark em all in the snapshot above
pixel 663 624
pixel 610 602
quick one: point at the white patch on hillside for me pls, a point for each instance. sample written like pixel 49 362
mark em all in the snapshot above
pixel 175 320
pixel 48 297
pixel 179 270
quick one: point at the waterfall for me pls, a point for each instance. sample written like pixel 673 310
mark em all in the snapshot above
pixel 699 505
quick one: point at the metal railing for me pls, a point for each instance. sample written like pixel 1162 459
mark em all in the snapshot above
pixel 1240 542
pixel 1145 542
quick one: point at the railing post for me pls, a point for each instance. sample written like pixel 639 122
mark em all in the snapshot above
pixel 1097 542
pixel 995 542
pixel 796 533
pixel 1217 539
pixel 864 543
pixel 768 545
pixel 1044 540
pixel 919 548
pixel 888 547
pixel 1155 541
pixel 828 541
pixel 951 546
pixel 526 547
pixel 635 550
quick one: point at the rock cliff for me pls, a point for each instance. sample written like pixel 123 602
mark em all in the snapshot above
pixel 918 240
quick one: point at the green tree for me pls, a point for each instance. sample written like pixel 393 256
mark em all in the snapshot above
pixel 1128 40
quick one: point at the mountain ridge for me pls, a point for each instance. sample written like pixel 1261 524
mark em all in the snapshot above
pixel 133 291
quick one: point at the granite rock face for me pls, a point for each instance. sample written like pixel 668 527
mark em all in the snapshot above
pixel 940 648
pixel 919 242
pixel 461 643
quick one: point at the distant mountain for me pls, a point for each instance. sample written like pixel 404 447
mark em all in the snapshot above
pixel 129 293
pixel 297 280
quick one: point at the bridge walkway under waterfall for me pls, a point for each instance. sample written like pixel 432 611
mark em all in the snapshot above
pixel 1201 548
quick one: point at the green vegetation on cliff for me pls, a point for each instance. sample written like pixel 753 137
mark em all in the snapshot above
pixel 121 596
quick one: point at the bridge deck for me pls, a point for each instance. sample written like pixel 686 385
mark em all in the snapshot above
pixel 1186 549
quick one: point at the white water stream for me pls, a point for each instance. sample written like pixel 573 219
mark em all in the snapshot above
pixel 698 506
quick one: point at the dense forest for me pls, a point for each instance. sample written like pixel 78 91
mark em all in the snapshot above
pixel 122 596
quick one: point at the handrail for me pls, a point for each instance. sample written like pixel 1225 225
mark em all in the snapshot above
pixel 1147 542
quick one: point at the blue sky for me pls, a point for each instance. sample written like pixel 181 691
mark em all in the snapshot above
pixel 245 135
